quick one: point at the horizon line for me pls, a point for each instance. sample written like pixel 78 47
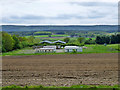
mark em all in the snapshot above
pixel 56 24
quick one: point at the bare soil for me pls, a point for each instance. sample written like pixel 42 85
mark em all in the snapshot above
pixel 61 70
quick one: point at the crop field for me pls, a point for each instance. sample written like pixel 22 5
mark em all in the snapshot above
pixel 61 70
pixel 43 36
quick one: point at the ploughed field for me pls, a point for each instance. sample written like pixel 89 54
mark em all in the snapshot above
pixel 61 70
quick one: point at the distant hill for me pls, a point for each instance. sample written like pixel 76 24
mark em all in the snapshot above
pixel 9 28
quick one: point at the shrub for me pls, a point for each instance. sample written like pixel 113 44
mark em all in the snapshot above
pixel 74 51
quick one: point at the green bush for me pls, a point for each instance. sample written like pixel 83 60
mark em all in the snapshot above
pixel 24 44
pixel 74 51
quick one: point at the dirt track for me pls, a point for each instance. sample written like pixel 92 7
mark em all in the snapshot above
pixel 61 70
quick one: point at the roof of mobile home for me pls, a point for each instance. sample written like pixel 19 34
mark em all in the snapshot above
pixel 59 42
pixel 72 47
pixel 46 42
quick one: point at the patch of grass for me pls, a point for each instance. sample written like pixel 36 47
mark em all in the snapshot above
pixel 113 48
pixel 42 33
pixel 91 38
pixel 91 87
pixel 24 51
pixel 38 36
pixel 48 36
pixel 41 36
pixel 59 35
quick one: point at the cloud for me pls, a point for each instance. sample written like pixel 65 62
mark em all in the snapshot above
pixel 59 11
pixel 95 4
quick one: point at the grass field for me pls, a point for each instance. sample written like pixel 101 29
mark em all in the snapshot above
pixel 48 36
pixel 59 35
pixel 113 48
pixel 91 38
pixel 19 52
pixel 116 87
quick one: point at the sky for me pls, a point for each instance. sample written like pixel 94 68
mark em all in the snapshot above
pixel 65 12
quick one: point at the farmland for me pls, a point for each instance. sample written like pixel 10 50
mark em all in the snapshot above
pixel 112 48
pixel 14 40
pixel 61 70
pixel 97 64
pixel 42 36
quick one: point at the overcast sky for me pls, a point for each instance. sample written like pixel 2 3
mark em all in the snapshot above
pixel 59 12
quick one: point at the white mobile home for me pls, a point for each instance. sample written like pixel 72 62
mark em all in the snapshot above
pixel 72 48
pixel 44 50
pixel 54 47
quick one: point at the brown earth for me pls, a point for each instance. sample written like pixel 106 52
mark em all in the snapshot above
pixel 61 70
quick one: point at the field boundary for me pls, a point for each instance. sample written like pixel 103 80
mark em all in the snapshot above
pixel 76 87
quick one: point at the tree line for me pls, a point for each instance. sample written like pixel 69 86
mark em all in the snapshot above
pixel 13 42
pixel 113 39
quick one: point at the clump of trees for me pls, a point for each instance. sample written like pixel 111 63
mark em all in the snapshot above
pixel 13 42
pixel 66 39
pixel 101 39
pixel 113 39
pixel 90 41
pixel 7 42
pixel 81 39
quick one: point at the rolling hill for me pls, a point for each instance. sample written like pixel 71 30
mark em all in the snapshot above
pixel 10 28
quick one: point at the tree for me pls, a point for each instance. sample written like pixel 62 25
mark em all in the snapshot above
pixel 81 39
pixel 107 39
pixel 118 38
pixel 66 39
pixel 98 40
pixel 22 39
pixel 102 39
pixel 36 40
pixel 49 35
pixel 17 44
pixel 24 44
pixel 31 39
pixel 113 39
pixel 7 42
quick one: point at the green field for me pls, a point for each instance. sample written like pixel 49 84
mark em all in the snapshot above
pixel 48 36
pixel 42 33
pixel 89 38
pixel 59 35
pixel 51 39
pixel 112 48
